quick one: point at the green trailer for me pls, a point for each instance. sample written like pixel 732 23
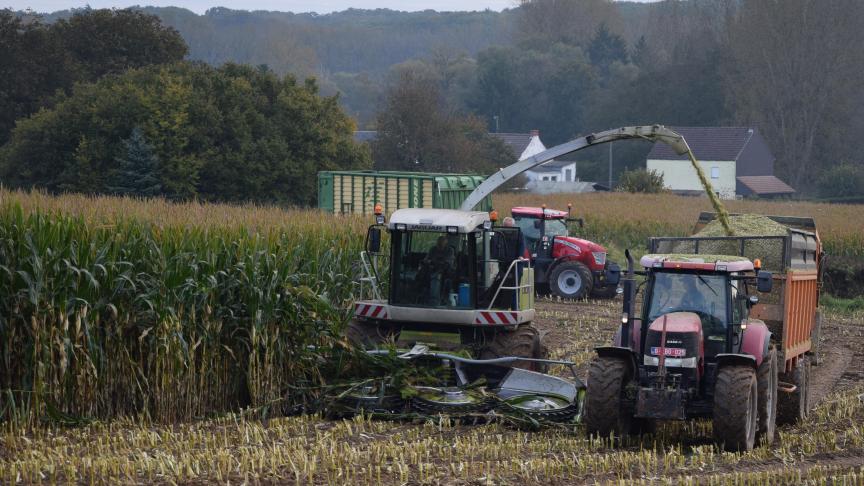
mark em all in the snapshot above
pixel 347 192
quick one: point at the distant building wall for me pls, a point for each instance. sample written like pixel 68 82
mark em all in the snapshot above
pixel 680 176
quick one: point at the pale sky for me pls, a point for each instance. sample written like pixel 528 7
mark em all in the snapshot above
pixel 320 6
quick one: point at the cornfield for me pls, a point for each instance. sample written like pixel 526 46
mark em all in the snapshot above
pixel 623 220
pixel 117 307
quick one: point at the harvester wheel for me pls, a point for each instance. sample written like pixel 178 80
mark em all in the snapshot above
pixel 767 382
pixel 607 292
pixel 366 335
pixel 736 408
pixel 571 280
pixel 792 407
pixel 523 342
pixel 605 410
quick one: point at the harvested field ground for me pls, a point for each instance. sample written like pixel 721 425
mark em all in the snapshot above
pixel 827 448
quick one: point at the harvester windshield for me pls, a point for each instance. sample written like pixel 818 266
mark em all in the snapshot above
pixel 702 294
pixel 433 269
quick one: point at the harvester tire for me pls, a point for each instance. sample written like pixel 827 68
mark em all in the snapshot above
pixel 605 409
pixel 365 335
pixel 767 379
pixel 792 407
pixel 607 292
pixel 571 280
pixel 523 342
pixel 736 408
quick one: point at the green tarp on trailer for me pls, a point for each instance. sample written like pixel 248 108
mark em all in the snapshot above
pixel 356 192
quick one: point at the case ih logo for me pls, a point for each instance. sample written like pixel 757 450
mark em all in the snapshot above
pixel 370 310
pixel 496 318
pixel 674 352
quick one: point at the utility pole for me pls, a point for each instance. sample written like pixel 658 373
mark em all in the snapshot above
pixel 495 117
pixel 610 166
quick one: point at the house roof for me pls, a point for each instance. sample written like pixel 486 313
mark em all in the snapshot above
pixel 765 185
pixel 517 142
pixel 707 143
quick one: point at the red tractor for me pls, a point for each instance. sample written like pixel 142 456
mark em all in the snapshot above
pixel 705 344
pixel 564 265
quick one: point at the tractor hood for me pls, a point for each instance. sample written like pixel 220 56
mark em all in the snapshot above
pixel 678 322
pixel 579 245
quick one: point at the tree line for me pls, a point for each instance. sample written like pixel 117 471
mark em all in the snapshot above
pixel 102 102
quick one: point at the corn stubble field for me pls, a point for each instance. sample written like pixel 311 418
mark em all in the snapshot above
pixel 148 342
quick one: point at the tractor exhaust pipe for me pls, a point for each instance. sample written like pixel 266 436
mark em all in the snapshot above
pixel 629 297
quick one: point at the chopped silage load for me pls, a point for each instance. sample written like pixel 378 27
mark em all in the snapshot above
pixel 745 225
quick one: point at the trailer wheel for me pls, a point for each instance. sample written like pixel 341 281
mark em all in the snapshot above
pixel 366 335
pixel 736 411
pixel 792 407
pixel 767 383
pixel 571 280
pixel 605 410
pixel 523 342
pixel 815 345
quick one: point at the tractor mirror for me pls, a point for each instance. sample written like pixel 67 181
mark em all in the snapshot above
pixel 373 240
pixel 613 274
pixel 764 282
pixel 579 221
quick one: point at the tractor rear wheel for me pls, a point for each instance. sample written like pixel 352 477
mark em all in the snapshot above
pixel 522 342
pixel 571 280
pixel 736 408
pixel 767 382
pixel 605 410
pixel 792 407
pixel 365 335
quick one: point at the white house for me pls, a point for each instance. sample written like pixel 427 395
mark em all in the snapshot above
pixel 736 160
pixel 525 145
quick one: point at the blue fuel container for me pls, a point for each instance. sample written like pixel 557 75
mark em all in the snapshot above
pixel 464 295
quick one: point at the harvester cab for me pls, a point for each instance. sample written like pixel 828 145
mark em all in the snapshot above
pixel 691 351
pixel 449 286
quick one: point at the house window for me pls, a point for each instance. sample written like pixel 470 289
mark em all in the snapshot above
pixel 715 172
pixel 568 175
pixel 544 178
pixel 553 178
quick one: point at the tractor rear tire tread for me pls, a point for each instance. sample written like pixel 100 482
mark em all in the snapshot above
pixel 767 380
pixel 735 408
pixel 607 378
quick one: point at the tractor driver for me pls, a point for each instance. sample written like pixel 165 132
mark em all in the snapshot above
pixel 440 260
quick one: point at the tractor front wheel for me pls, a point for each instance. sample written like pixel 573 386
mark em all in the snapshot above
pixel 605 409
pixel 736 408
pixel 571 280
pixel 522 342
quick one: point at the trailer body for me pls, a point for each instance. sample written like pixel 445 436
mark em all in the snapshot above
pixel 357 192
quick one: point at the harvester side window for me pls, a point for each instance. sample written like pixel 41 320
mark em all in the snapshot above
pixel 432 269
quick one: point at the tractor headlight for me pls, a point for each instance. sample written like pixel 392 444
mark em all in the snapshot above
pixel 599 257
